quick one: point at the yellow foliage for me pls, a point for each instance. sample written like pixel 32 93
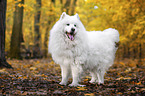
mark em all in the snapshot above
pixel 127 16
pixel 20 5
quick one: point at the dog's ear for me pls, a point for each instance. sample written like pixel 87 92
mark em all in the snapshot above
pixel 77 16
pixel 63 15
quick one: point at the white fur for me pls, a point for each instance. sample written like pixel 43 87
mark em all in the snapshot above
pixel 89 51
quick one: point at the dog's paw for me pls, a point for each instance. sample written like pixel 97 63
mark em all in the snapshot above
pixel 100 82
pixel 63 83
pixel 92 81
pixel 76 85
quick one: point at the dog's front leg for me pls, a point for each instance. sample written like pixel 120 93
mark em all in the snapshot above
pixel 75 75
pixel 65 73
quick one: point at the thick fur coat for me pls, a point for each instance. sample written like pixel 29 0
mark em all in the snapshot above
pixel 77 50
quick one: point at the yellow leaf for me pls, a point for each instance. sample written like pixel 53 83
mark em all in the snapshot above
pixel 32 68
pixel 81 88
pixel 86 80
pixel 89 94
pixel 127 70
pixel 119 93
pixel 44 75
pixel 19 77
pixel 25 77
pixel 19 5
pixel 3 71
pixel 122 63
pixel 139 83
pixel 38 62
pixel 123 78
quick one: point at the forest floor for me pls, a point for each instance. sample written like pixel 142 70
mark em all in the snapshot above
pixel 42 77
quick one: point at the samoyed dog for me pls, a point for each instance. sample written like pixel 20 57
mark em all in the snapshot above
pixel 78 51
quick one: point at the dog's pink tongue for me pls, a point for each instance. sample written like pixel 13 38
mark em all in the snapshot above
pixel 71 37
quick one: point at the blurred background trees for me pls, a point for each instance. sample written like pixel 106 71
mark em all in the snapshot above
pixel 17 36
pixel 127 16
pixel 36 48
pixel 3 62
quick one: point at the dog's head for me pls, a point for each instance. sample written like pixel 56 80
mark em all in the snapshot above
pixel 70 24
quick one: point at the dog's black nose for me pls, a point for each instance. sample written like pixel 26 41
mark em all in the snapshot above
pixel 72 29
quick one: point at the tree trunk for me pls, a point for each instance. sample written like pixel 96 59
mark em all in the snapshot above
pixel 36 49
pixel 67 6
pixel 73 7
pixel 140 56
pixel 17 36
pixel 3 62
pixel 61 1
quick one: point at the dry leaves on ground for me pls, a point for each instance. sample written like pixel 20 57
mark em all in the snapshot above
pixel 42 77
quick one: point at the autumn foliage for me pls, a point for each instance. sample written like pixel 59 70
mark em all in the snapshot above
pixel 127 16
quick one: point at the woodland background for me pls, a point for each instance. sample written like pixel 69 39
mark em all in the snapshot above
pixel 28 23
pixel 36 18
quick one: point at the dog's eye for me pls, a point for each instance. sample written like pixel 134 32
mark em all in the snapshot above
pixel 75 25
pixel 67 24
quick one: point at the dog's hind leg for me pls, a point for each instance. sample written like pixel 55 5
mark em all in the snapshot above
pixel 65 73
pixel 100 74
pixel 94 77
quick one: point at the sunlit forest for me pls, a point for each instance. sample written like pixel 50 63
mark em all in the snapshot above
pixel 28 24
pixel 127 16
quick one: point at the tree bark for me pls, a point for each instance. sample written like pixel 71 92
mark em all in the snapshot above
pixel 140 55
pixel 67 6
pixel 3 62
pixel 73 7
pixel 36 50
pixel 61 1
pixel 17 36
pixel 70 9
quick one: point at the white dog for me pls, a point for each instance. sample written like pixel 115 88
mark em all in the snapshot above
pixel 77 50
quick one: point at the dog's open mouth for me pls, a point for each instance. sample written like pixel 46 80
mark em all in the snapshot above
pixel 70 36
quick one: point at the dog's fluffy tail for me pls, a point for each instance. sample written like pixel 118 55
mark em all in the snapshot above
pixel 113 34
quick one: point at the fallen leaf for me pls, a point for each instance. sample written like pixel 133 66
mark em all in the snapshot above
pixel 81 88
pixel 123 78
pixel 33 68
pixel 122 63
pixel 89 94
pixel 43 75
pixel 139 83
pixel 3 71
pixel 119 93
pixel 142 89
pixel 85 79
pixel 127 70
pixel 25 93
